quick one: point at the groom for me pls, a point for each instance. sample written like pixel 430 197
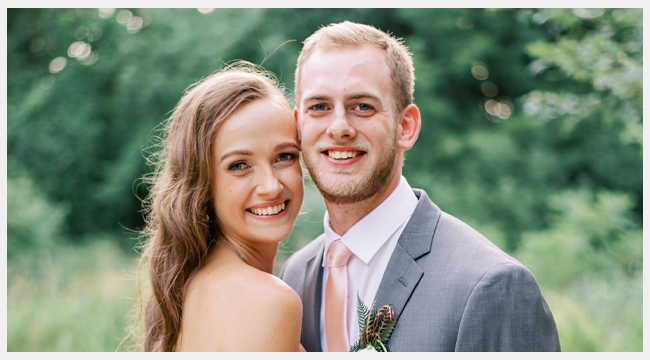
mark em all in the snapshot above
pixel 451 289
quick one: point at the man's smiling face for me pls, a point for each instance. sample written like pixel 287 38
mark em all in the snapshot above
pixel 347 121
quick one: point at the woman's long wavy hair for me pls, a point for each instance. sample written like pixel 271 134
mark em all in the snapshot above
pixel 180 217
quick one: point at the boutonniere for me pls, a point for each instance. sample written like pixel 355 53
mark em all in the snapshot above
pixel 374 327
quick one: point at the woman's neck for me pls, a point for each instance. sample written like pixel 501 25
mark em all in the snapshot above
pixel 259 257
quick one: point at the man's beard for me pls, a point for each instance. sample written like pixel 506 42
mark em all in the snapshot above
pixel 363 185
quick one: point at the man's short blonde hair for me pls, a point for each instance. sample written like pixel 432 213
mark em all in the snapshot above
pixel 350 34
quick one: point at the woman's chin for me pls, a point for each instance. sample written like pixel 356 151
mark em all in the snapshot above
pixel 267 234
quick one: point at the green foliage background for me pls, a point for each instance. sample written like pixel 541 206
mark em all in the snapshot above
pixel 532 133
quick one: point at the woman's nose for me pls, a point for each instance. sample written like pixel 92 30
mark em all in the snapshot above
pixel 269 184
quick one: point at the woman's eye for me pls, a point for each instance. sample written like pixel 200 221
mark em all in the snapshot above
pixel 287 157
pixel 238 166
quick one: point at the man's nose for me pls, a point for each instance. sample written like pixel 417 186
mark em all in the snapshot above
pixel 341 127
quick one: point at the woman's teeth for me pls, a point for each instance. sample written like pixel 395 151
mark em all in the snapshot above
pixel 271 210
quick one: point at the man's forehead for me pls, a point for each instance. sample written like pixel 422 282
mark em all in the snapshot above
pixel 330 51
pixel 347 62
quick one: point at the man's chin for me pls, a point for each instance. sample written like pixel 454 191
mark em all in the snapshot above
pixel 343 199
pixel 349 191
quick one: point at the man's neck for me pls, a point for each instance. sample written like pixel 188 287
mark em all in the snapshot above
pixel 344 216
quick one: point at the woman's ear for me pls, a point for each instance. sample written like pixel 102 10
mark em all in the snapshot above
pixel 408 127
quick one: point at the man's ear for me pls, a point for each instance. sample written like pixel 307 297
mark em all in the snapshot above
pixel 408 127
pixel 295 117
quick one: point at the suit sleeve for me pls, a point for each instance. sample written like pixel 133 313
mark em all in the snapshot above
pixel 506 312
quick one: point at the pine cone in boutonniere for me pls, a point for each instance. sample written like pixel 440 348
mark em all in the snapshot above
pixel 374 327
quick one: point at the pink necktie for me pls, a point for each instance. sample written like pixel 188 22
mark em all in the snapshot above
pixel 336 297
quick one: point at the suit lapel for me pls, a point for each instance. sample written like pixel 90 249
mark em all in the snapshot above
pixel 402 273
pixel 312 301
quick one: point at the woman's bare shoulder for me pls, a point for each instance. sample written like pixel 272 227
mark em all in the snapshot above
pixel 271 287
pixel 224 312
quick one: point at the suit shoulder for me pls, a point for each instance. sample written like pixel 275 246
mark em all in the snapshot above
pixel 452 227
pixel 461 244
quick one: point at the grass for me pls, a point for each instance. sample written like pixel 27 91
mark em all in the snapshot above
pixel 72 298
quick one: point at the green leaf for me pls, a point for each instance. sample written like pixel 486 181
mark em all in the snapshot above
pixel 356 347
pixel 362 314
pixel 385 334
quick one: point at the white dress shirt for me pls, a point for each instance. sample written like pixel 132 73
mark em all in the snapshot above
pixel 372 241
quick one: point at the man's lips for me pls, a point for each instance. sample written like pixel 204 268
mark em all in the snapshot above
pixel 343 154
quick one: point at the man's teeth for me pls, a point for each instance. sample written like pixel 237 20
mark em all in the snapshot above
pixel 343 154
pixel 271 210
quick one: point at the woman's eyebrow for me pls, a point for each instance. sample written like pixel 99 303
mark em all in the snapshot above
pixel 286 145
pixel 235 152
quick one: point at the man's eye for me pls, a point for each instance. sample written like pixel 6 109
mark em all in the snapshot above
pixel 319 107
pixel 364 107
pixel 238 166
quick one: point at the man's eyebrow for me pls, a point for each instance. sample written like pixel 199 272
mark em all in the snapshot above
pixel 235 152
pixel 364 96
pixel 316 98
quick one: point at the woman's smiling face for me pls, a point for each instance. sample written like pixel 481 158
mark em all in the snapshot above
pixel 257 179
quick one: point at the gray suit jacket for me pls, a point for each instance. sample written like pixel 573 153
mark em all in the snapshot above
pixel 451 289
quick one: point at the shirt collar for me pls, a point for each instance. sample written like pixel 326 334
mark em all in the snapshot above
pixel 367 236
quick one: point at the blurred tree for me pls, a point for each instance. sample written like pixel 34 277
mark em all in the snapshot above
pixel 590 263
pixel 87 87
pixel 598 124
pixel 33 223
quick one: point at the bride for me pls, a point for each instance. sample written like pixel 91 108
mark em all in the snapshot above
pixel 227 190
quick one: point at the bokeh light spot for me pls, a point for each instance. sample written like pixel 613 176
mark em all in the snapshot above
pixel 123 16
pixel 499 110
pixel 205 10
pixel 134 24
pixel 588 13
pixel 105 13
pixel 87 51
pixel 58 64
pixel 90 59
pixel 539 17
pixel 464 23
pixel 79 50
pixel 479 71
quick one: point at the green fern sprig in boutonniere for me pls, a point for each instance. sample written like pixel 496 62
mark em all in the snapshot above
pixel 374 327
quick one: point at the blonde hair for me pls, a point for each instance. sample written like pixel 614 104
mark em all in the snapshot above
pixel 180 217
pixel 349 34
